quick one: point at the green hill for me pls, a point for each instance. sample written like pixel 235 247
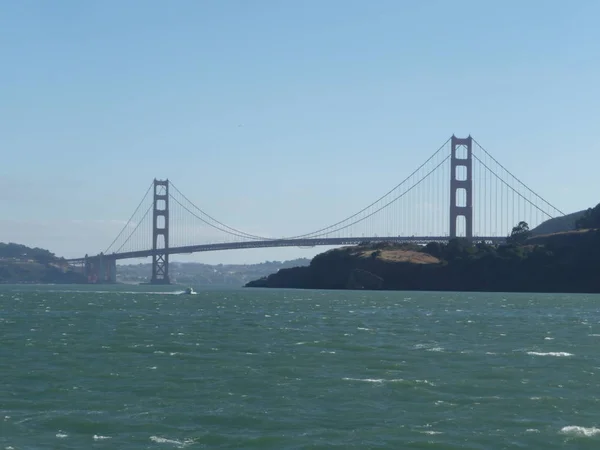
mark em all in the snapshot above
pixel 22 264
pixel 558 224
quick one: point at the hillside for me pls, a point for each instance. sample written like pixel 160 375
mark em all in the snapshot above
pixel 561 239
pixel 356 267
pixel 570 228
pixel 562 262
pixel 22 264
pixel 558 224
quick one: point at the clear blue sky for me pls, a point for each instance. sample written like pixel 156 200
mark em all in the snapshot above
pixel 246 105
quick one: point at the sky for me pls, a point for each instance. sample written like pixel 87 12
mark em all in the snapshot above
pixel 281 117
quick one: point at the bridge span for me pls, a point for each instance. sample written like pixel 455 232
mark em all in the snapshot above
pixel 285 243
pixel 104 265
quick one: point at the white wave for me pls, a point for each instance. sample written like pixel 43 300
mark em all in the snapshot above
pixel 383 380
pixel 179 444
pixel 61 435
pixel 429 347
pixel 548 338
pixel 574 430
pixel 366 380
pixel 101 438
pixel 532 430
pixel 375 380
pixel 550 354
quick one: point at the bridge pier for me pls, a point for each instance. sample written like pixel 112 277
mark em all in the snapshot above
pixel 160 233
pixel 100 269
pixel 463 182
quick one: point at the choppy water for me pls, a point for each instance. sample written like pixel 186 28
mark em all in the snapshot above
pixel 246 369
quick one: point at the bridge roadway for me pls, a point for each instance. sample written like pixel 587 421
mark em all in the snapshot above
pixel 285 243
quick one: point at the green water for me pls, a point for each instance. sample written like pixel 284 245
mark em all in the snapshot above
pixel 276 369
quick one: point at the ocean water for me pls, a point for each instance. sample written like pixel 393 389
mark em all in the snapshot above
pixel 122 368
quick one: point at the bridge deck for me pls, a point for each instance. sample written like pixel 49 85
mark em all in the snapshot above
pixel 286 243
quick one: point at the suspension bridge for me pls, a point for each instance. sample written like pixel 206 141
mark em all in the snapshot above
pixel 459 191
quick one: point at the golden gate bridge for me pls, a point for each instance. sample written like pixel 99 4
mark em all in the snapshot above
pixel 461 190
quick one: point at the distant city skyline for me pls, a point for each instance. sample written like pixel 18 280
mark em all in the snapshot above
pixel 280 118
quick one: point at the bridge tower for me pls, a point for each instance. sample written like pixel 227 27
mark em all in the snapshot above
pixel 461 185
pixel 160 233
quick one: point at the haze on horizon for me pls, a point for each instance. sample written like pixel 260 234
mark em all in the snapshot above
pixel 279 118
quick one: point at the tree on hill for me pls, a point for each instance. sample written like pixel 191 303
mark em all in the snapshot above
pixel 22 252
pixel 434 249
pixel 590 219
pixel 457 248
pixel 519 233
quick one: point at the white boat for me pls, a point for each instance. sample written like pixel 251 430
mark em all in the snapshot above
pixel 189 291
